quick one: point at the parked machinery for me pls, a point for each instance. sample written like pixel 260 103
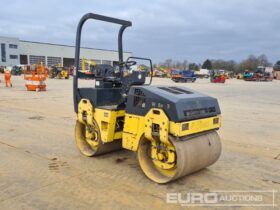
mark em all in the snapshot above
pixel 35 76
pixel 276 71
pixel 88 70
pixel 202 73
pixel 159 73
pixel 262 75
pixel 229 75
pixel 239 76
pixel 2 69
pixel 166 71
pixel 183 76
pixel 248 76
pixel 217 76
pixel 59 72
pixel 71 70
pixel 259 75
pixel 276 75
pixel 17 70
pixel 172 129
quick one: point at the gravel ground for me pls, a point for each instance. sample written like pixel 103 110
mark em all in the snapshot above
pixel 41 168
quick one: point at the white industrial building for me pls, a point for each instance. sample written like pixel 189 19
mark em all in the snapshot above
pixel 14 51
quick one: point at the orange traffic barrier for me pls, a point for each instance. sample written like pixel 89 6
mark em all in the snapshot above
pixel 35 76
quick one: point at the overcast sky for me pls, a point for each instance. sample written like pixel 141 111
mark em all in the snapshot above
pixel 178 29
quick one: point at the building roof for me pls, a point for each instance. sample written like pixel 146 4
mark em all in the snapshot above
pixel 63 45
pixel 9 37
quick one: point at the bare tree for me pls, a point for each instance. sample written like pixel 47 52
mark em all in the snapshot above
pixel 185 64
pixel 168 63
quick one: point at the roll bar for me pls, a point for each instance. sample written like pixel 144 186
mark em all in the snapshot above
pixel 124 24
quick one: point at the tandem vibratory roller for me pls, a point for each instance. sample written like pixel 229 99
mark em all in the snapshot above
pixel 172 129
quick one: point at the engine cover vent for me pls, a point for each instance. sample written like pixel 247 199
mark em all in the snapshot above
pixel 175 90
pixel 170 90
pixel 195 112
pixel 181 90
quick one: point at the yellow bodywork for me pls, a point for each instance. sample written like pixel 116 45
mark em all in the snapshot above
pixel 194 126
pixel 87 64
pixel 64 74
pixel 136 126
pixel 240 76
pixel 106 120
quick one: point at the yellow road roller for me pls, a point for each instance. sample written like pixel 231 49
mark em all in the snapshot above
pixel 172 129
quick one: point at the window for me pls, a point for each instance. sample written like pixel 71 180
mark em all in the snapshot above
pixel 67 62
pixel 13 56
pixel 13 46
pixel 53 61
pixel 97 61
pixel 3 52
pixel 106 62
pixel 23 59
pixel 35 59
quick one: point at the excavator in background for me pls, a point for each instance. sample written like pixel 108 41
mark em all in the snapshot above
pixel 162 72
pixel 172 129
pixel 88 69
pixel 166 71
pixel 159 73
pixel 58 72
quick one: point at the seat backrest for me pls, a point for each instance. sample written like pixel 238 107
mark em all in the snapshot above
pixel 104 70
pixel 137 78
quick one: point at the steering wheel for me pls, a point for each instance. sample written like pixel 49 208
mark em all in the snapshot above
pixel 128 64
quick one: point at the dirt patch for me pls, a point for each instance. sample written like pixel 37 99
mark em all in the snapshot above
pixel 115 181
pixel 120 160
pixel 277 157
pixel 36 118
pixel 56 165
